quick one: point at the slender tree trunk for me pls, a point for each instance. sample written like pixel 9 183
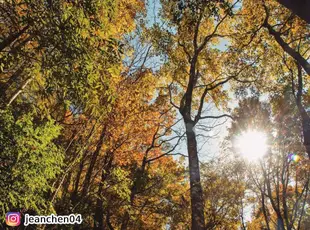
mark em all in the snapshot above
pixel 275 206
pixel 4 86
pixel 305 119
pixel 134 189
pixel 98 217
pixel 126 216
pixel 303 207
pixel 125 221
pixel 289 50
pixel 92 163
pixel 8 41
pixel 306 130
pixel 285 207
pixel 197 203
pixel 19 91
pixel 66 185
pixel 74 195
pixel 265 211
pixel 280 223
pixel 99 211
pixel 243 225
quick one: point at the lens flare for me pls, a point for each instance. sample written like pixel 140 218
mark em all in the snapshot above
pixel 293 157
pixel 252 144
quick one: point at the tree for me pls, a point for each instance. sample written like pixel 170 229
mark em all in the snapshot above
pixel 125 160
pixel 97 99
pixel 280 183
pixel 60 63
pixel 276 34
pixel 30 160
pixel 224 190
pixel 195 71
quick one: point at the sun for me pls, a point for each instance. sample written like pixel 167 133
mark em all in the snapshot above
pixel 252 144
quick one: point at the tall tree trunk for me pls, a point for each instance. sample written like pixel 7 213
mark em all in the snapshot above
pixel 243 225
pixel 126 216
pixel 275 206
pixel 306 131
pixel 98 217
pixel 197 203
pixel 66 186
pixel 125 221
pixel 285 206
pixel 93 162
pixel 265 210
pixel 286 48
pixel 74 195
pixel 8 41
pixel 305 119
pixel 99 211
pixel 134 190
pixel 299 7
pixel 280 223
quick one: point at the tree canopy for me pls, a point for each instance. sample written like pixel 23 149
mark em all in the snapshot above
pixel 179 114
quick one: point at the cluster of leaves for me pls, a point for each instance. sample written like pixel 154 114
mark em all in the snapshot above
pixel 30 158
pixel 81 132
pixel 121 176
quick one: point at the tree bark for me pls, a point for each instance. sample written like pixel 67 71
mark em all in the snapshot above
pixel 299 7
pixel 197 204
pixel 98 217
pixel 92 163
pixel 19 91
pixel 66 186
pixel 301 62
pixel 289 50
pixel 305 119
pixel 109 224
pixel 306 130
pixel 99 211
pixel 133 192
pixel 126 216
pixel 275 206
pixel 74 196
pixel 265 210
pixel 8 41
pixel 280 224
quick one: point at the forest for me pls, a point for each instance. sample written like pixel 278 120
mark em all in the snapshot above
pixel 155 114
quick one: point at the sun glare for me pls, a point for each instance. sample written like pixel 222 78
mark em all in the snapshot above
pixel 252 144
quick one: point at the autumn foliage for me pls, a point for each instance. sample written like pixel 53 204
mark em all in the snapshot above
pixel 127 112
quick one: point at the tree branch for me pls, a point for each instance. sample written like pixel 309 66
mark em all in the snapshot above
pixel 289 50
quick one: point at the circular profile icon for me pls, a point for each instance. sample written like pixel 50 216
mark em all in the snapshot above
pixel 12 219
